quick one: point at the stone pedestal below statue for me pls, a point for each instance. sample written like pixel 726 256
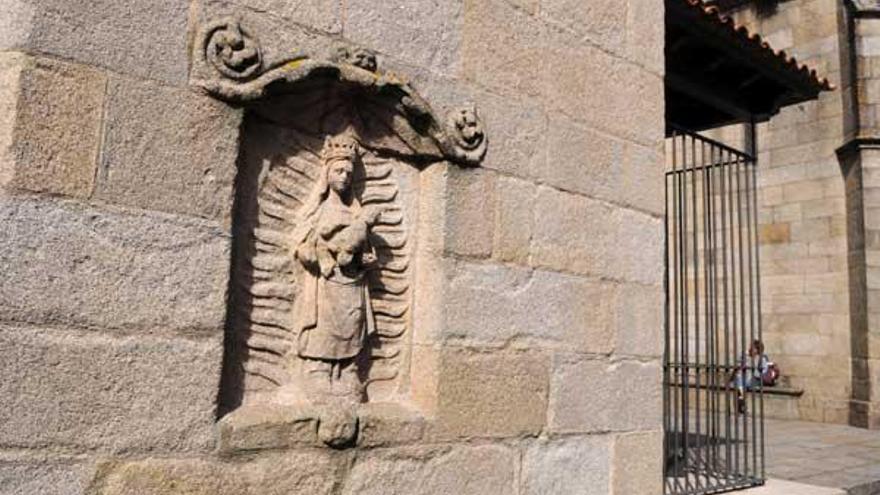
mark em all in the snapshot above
pixel 262 427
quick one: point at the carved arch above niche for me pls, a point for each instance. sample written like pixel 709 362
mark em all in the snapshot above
pixel 228 63
pixel 303 113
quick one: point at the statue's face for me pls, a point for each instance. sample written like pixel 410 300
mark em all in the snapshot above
pixel 339 175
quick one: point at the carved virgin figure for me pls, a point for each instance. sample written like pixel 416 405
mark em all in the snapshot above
pixel 333 314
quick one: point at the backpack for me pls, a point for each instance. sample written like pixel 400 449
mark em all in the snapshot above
pixel 770 375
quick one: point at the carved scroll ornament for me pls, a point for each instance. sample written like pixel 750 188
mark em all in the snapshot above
pixel 228 63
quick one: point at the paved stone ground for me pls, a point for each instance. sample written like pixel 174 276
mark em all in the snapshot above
pixel 781 487
pixel 824 455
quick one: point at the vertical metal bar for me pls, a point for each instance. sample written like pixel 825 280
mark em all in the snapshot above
pixel 749 425
pixel 685 337
pixel 696 257
pixel 666 387
pixel 725 283
pixel 755 301
pixel 677 314
pixel 733 293
pixel 712 328
pixel 752 242
pixel 763 474
pixel 742 301
pixel 707 341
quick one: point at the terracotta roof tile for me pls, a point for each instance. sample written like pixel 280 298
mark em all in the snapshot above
pixel 714 14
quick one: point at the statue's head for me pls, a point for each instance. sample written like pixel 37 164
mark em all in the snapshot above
pixel 338 156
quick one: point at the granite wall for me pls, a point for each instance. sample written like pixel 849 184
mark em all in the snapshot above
pixel 541 370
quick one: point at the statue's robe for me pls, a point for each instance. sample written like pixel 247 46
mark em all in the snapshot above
pixel 333 311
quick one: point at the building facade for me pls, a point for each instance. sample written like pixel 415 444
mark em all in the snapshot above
pixel 816 207
pixel 183 181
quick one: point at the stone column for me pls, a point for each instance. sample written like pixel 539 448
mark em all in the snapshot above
pixel 860 164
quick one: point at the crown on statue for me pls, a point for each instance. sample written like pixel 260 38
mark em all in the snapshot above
pixel 340 147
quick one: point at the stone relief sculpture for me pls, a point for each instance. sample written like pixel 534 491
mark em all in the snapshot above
pixel 322 279
pixel 331 241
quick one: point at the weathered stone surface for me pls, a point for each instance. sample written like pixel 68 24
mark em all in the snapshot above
pixel 502 47
pixel 75 265
pixel 324 15
pixel 638 463
pixel 10 74
pixel 573 466
pixel 585 161
pixel 643 179
pixel 50 136
pixel 645 25
pixel 483 470
pixel 185 164
pixel 266 426
pixel 146 39
pixel 499 394
pixel 603 22
pixel 281 34
pixel 514 217
pixel 596 238
pixel 15 23
pixel 382 424
pixel 314 472
pixel 502 305
pixel 589 395
pixel 602 91
pixel 518 134
pixel 517 125
pixel 639 315
pixel 137 393
pixel 470 211
pixel 426 34
pixel 26 476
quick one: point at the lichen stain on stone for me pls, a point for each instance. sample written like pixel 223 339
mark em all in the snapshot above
pixel 294 64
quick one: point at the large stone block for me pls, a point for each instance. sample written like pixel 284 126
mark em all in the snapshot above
pixel 645 28
pixel 50 130
pixel 314 472
pixel 502 47
pixel 146 39
pixel 69 264
pixel 15 22
pixel 602 166
pixel 640 322
pixel 501 394
pixel 514 218
pixel 602 22
pixel 462 470
pixel 470 211
pixel 589 395
pixel 44 477
pixel 602 91
pixel 638 464
pixel 517 131
pixel 289 29
pixel 184 164
pixel 11 65
pixel 516 125
pixel 117 394
pixel 324 15
pixel 423 33
pixel 502 305
pixel 582 235
pixel 572 466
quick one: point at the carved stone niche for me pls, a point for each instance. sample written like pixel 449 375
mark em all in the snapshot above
pixel 319 321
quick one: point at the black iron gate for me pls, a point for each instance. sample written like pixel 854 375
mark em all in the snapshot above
pixel 713 403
